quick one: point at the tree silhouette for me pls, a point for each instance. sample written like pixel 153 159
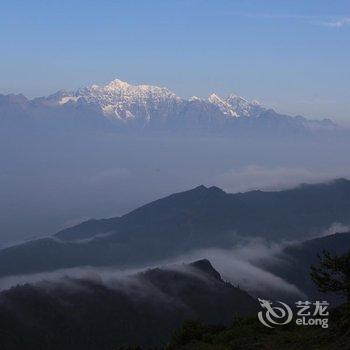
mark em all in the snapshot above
pixel 333 273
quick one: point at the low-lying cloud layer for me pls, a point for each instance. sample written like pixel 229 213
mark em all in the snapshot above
pixel 238 265
pixel 257 177
pixel 241 266
pixel 49 182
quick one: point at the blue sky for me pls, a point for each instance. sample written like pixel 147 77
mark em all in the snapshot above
pixel 292 55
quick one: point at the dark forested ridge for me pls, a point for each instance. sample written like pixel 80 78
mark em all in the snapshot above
pixel 294 262
pixel 278 214
pixel 146 308
pixel 178 308
pixel 249 334
pixel 141 309
pixel 200 218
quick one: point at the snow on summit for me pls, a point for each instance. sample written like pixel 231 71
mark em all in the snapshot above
pixel 121 100
pixel 224 107
pixel 139 107
pixel 125 101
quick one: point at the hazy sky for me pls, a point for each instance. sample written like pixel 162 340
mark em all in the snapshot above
pixel 291 55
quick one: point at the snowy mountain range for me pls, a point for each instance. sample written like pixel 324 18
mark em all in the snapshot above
pixel 153 107
pixel 122 101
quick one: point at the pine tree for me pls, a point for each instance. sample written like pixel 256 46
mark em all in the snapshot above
pixel 333 273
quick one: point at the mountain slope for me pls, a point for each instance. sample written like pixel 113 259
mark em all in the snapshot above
pixel 199 218
pixel 295 260
pixel 280 214
pixel 141 309
pixel 250 334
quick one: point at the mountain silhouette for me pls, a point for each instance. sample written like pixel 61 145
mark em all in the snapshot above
pixel 199 218
pixel 141 309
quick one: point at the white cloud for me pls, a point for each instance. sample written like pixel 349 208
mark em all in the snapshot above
pixel 332 22
pixel 337 23
pixel 241 265
pixel 336 227
pixel 257 177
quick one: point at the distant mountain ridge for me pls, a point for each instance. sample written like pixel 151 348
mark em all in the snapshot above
pixel 146 107
pixel 286 213
pixel 199 218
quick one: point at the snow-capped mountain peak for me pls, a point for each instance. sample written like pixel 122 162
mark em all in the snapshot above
pixel 255 103
pixel 195 98
pixel 243 107
pixel 223 105
pixel 214 98
pixel 116 84
pixel 124 101
pixel 150 107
